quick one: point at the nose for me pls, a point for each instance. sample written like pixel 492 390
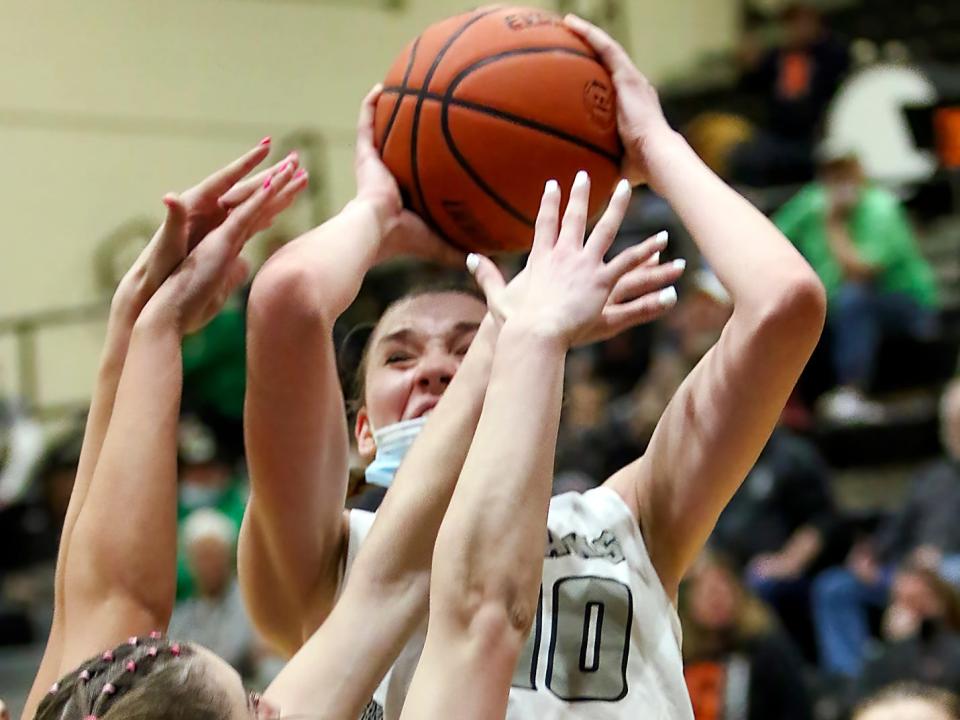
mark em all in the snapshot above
pixel 435 371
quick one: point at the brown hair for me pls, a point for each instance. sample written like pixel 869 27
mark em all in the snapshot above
pixel 143 679
pixel 942 699
pixel 753 618
pixel 354 360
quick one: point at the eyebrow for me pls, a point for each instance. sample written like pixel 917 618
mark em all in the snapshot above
pixel 405 334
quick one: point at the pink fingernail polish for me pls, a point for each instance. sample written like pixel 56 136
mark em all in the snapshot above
pixel 266 140
pixel 299 174
pixel 266 183
pixel 293 156
pixel 283 168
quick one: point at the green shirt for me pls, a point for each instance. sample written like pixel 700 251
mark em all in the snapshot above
pixel 879 229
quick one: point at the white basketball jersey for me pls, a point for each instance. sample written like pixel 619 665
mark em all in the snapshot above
pixel 606 643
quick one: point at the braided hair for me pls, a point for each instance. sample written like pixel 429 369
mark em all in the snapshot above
pixel 142 679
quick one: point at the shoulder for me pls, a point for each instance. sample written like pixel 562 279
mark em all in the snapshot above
pixel 880 201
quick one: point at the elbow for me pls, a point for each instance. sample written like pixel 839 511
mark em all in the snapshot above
pixel 490 613
pixel 284 293
pixel 795 314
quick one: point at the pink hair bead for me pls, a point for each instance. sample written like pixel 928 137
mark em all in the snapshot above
pixel 156 635
pixel 85 675
pixel 131 666
pixel 55 688
pixel 109 689
pixel 133 640
pixel 175 649
pixel 152 652
pixel 108 655
pixel 90 717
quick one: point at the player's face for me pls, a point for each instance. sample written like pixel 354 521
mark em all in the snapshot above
pixel 243 705
pixel 413 355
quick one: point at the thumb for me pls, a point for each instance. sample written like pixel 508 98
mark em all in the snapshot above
pixel 176 220
pixel 487 275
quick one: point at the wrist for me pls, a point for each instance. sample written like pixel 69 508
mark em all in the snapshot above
pixel 660 152
pixel 535 334
pixel 158 319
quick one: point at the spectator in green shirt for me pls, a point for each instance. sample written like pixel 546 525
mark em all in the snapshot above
pixel 859 241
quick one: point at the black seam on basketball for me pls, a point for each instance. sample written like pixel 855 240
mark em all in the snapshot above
pixel 403 86
pixel 474 175
pixel 414 168
pixel 508 117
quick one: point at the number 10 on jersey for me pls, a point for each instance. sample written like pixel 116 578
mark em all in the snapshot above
pixel 589 641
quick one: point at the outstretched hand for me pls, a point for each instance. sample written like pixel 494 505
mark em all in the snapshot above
pixel 199 286
pixel 642 289
pixel 192 214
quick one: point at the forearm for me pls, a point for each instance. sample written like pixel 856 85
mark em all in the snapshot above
pixel 803 546
pixel 753 260
pixel 400 547
pixel 854 266
pixel 491 543
pixel 132 491
pixel 320 272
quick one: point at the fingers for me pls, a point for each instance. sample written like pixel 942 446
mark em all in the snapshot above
pixel 647 252
pixel 222 180
pixel 244 189
pixel 601 239
pixel 175 222
pixel 610 51
pixel 368 109
pixel 283 199
pixel 546 228
pixel 622 316
pixel 574 224
pixel 241 223
pixel 644 279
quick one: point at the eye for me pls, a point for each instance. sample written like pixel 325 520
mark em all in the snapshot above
pixel 398 357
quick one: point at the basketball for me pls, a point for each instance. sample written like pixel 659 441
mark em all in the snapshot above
pixel 481 109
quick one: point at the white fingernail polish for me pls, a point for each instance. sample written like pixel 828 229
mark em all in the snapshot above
pixel 581 179
pixel 680 264
pixel 662 236
pixel 623 187
pixel 552 186
pixel 473 262
pixel 668 296
pixel 655 258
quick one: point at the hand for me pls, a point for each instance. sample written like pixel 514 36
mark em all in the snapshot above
pixel 642 294
pixel 565 287
pixel 775 566
pixel 211 271
pixel 192 214
pixel 927 556
pixel 402 231
pixel 640 117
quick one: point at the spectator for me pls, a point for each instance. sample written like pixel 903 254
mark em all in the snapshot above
pixel 859 241
pixel 925 530
pixel 778 525
pixel 920 629
pixel 215 616
pixel 21 448
pixel 797 81
pixel 908 701
pixel 4 713
pixel 207 480
pixel 736 660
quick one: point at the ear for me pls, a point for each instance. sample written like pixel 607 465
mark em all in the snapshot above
pixel 363 432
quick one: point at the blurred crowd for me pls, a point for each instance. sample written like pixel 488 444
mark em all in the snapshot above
pixel 806 605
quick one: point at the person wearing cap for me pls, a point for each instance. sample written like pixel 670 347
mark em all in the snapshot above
pixel 858 239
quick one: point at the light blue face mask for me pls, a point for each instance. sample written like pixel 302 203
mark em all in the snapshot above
pixel 393 442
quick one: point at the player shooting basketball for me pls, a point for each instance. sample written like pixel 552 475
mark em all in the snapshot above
pixel 615 555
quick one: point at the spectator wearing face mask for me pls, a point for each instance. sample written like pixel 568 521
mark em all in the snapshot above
pixel 207 480
pixel 858 239
pixel 214 617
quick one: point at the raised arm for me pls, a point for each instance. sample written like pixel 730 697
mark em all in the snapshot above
pixel 107 547
pixel 297 443
pixel 719 420
pixel 189 215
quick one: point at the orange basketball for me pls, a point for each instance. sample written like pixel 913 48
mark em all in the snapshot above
pixel 482 109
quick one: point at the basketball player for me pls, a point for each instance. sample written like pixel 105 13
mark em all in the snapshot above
pixel 618 551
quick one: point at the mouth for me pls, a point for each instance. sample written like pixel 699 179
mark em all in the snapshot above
pixel 422 408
